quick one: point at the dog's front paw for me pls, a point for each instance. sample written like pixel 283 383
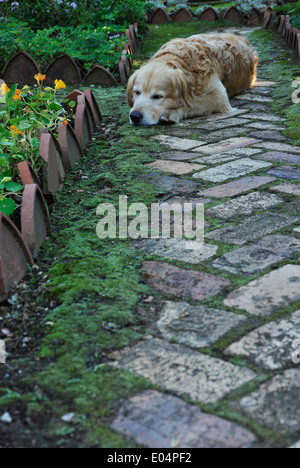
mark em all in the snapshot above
pixel 169 118
pixel 166 121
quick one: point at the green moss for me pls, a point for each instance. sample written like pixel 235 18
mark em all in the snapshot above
pixel 278 64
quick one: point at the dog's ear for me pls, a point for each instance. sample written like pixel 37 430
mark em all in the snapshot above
pixel 186 87
pixel 130 90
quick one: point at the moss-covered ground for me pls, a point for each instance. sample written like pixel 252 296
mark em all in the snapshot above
pixel 84 298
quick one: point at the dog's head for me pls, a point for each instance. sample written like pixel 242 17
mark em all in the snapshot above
pixel 155 90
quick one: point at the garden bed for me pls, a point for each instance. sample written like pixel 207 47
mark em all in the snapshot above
pixel 41 140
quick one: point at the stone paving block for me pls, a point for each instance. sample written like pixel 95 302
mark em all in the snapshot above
pixel 286 172
pixel 293 207
pixel 263 116
pixel 228 156
pixel 244 205
pixel 276 403
pixel 264 90
pixel 182 283
pixel 230 115
pixel 171 184
pixel 184 201
pixel 179 249
pixel 220 124
pixel 226 145
pixel 224 133
pixel 212 118
pixel 158 420
pixel 178 143
pixel 268 294
pixel 254 97
pixel 174 167
pixel 253 106
pixel 271 345
pixel 252 228
pixel 268 135
pixel 279 157
pixel 195 326
pixel 176 155
pixel 231 170
pixel 254 258
pixel 182 370
pixel 274 146
pixel 236 187
pixel 291 189
pixel 182 132
pixel 265 126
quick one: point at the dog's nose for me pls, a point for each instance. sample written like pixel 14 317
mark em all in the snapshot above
pixel 136 117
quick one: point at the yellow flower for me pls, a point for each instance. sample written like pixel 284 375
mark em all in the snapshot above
pixel 39 77
pixel 59 84
pixel 15 131
pixel 4 89
pixel 18 95
pixel 65 122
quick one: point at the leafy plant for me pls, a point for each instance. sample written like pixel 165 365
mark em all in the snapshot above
pixel 42 14
pixel 88 44
pixel 293 9
pixel 25 112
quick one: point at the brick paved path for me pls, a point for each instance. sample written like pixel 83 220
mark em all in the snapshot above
pixel 220 357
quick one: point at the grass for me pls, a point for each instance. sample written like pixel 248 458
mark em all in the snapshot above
pixel 279 65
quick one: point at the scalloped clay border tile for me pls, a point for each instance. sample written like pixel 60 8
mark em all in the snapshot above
pixel 82 126
pixel 122 71
pixel 267 13
pixel 131 39
pixel 71 149
pixel 182 16
pixel 82 100
pixel 234 15
pixel 63 68
pixel 133 34
pixel 286 27
pixel 52 181
pixel 35 220
pixel 28 174
pixel 159 16
pixel 281 24
pixel 271 21
pixel 100 75
pixel 209 14
pixel 255 17
pixel 15 256
pixel 21 68
pixel 71 97
pixel 94 106
pixel 58 152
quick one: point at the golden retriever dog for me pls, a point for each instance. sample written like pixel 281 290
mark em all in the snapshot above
pixel 191 77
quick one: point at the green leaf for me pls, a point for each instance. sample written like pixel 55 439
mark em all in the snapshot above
pixel 12 92
pixel 54 106
pixel 6 143
pixel 7 206
pixel 13 187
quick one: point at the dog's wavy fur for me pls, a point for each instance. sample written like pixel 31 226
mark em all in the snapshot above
pixel 192 77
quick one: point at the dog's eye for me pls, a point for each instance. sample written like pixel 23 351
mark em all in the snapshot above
pixel 137 92
pixel 157 96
